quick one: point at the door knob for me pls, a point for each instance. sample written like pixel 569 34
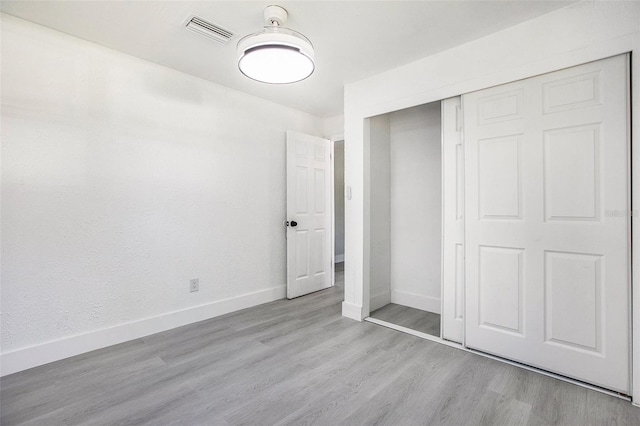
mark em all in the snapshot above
pixel 293 223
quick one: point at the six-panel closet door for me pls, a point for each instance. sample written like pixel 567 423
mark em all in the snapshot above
pixel 452 221
pixel 546 222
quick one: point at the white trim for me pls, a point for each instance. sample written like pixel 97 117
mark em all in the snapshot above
pixel 379 300
pixel 442 211
pixel 352 311
pixel 413 332
pixel 635 224
pixel 332 189
pixel 33 356
pixel 416 301
pixel 337 258
pixel 486 355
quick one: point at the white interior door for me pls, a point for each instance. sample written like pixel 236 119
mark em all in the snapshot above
pixel 547 226
pixel 309 217
pixel 453 221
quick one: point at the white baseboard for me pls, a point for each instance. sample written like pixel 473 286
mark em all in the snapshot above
pixel 339 258
pixel 379 300
pixel 33 356
pixel 352 311
pixel 425 303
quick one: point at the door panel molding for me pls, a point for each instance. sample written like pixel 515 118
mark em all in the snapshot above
pixel 550 285
pixel 309 205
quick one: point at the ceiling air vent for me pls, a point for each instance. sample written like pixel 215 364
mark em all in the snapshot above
pixel 207 29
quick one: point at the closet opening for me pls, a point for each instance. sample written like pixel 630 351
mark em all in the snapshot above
pixel 404 183
pixel 533 232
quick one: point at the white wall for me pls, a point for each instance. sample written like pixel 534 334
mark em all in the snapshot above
pixel 582 32
pixel 121 180
pixel 334 127
pixel 338 194
pixel 416 207
pixel 379 213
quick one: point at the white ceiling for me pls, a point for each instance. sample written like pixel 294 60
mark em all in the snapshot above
pixel 352 39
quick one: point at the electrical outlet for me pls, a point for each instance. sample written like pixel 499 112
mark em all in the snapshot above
pixel 194 285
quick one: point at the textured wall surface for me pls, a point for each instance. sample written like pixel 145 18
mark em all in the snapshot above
pixel 380 207
pixel 416 205
pixel 121 180
pixel 334 127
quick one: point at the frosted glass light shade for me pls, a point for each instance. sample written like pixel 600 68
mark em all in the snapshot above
pixel 276 55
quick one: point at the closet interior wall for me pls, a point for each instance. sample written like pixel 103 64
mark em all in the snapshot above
pixel 405 208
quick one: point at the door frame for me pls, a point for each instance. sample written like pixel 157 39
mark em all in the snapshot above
pixel 294 288
pixel 333 139
pixel 332 190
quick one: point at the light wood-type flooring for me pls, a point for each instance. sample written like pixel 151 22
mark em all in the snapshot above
pixel 295 362
pixel 415 319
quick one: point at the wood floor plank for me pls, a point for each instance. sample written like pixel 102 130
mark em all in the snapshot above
pixel 561 403
pixel 415 319
pixel 295 362
pixel 462 395
pixel 602 410
pixel 500 410
pixel 517 383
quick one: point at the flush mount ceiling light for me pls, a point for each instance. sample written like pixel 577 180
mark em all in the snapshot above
pixel 276 55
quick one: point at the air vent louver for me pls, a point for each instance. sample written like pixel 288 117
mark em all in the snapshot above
pixel 207 29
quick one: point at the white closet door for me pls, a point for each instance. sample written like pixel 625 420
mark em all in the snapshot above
pixel 547 226
pixel 453 221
